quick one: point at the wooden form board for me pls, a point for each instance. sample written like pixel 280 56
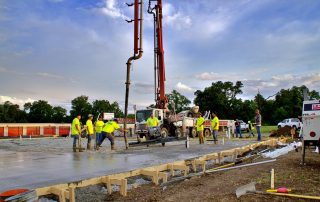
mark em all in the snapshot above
pixel 157 173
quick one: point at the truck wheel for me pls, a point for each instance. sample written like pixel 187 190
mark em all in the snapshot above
pixel 164 133
pixel 192 132
pixel 279 126
pixel 179 133
pixel 207 133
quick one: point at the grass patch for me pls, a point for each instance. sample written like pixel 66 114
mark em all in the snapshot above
pixel 268 129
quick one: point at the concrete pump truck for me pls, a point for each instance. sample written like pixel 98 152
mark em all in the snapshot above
pixel 170 124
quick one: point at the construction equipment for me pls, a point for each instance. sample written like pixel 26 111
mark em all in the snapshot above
pixel 170 125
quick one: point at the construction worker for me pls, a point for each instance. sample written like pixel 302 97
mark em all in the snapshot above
pixel 250 127
pixel 89 130
pixel 99 125
pixel 258 124
pixel 107 132
pixel 200 128
pixel 238 129
pixel 215 127
pixel 76 131
pixel 152 124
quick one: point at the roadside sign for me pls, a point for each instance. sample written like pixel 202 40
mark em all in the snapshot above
pixel 108 116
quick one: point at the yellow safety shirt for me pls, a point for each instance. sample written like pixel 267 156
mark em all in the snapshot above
pixel 199 124
pixel 89 127
pixel 74 129
pixel 215 123
pixel 99 125
pixel 152 122
pixel 110 127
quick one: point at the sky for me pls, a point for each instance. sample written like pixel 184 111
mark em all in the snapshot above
pixel 56 50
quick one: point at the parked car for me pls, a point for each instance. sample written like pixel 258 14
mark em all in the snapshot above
pixel 292 122
pixel 244 126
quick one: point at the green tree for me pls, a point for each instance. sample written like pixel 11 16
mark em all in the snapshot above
pixel 11 113
pixel 80 105
pixel 59 115
pixel 40 112
pixel 220 97
pixel 180 102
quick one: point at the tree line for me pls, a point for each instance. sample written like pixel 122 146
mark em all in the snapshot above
pixel 220 97
pixel 42 112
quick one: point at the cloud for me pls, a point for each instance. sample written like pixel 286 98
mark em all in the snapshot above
pixel 48 75
pixel 175 19
pixel 110 9
pixel 15 100
pixel 214 76
pixel 178 21
pixel 183 88
pixel 143 88
pixel 56 1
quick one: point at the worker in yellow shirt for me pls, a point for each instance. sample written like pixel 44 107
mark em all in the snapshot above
pixel 99 125
pixel 89 130
pixel 200 128
pixel 75 132
pixel 108 132
pixel 215 127
pixel 152 125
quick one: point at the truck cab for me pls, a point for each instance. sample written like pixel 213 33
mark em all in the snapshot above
pixel 142 117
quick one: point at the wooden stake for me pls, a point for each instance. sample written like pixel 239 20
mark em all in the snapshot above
pixel 272 179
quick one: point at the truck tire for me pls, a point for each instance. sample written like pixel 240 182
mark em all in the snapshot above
pixel 179 133
pixel 192 132
pixel 164 132
pixel 207 132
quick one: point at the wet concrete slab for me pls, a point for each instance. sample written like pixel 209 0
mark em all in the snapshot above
pixel 38 163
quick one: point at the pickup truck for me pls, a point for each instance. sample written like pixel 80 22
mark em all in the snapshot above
pixel 292 122
pixel 244 126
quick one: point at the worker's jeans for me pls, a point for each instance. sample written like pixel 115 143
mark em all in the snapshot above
pixel 75 139
pixel 258 132
pixel 238 131
pixel 215 135
pixel 105 135
pixel 98 137
pixel 89 137
pixel 201 138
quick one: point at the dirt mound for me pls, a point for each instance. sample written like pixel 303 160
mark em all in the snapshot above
pixel 285 131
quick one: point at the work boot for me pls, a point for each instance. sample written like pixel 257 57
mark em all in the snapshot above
pixel 74 149
pixel 113 147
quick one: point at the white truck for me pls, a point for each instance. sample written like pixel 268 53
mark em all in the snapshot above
pixel 177 125
pixel 292 122
pixel 311 127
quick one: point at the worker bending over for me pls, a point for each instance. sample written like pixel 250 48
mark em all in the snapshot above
pixel 108 132
pixel 152 124
pixel 215 127
pixel 200 128
pixel 89 130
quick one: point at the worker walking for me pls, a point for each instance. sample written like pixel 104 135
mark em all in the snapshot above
pixel 75 132
pixel 108 132
pixel 215 127
pixel 89 130
pixel 200 128
pixel 258 124
pixel 153 125
pixel 98 126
